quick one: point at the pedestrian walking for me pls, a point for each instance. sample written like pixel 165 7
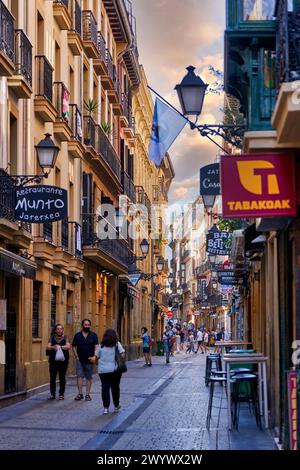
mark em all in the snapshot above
pixel 85 345
pixel 146 346
pixel 199 339
pixel 167 340
pixel 108 371
pixel 58 341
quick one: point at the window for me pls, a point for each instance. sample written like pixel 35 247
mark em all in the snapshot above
pixel 258 10
pixel 36 309
pixel 53 308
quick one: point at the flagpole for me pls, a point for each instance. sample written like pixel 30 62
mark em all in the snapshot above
pixel 192 124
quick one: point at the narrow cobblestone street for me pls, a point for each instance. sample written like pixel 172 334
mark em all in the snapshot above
pixel 163 407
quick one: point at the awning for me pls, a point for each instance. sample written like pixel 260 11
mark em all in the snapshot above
pixel 14 264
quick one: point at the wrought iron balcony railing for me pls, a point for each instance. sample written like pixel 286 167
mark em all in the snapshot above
pixel 117 249
pixel 90 32
pixel 69 237
pixel 76 122
pixel 89 131
pixel 61 101
pixel 109 64
pixel 44 80
pixel 76 15
pixel 23 56
pixel 7 201
pixel 108 152
pixel 101 46
pixel 7 33
pixel 288 43
pixel 128 186
pixel 127 110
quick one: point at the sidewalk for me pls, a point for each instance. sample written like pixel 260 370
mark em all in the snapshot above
pixel 163 407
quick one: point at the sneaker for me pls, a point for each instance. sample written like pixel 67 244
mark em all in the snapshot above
pixel 105 412
pixel 117 408
pixel 150 364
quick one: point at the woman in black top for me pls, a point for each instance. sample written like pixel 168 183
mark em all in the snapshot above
pixel 58 341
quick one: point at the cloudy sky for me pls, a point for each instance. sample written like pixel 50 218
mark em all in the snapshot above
pixel 173 34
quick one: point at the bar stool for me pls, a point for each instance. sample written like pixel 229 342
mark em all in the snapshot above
pixel 212 381
pixel 252 397
pixel 212 360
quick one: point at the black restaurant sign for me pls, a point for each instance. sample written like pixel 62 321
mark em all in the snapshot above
pixel 230 278
pixel 210 180
pixel 13 264
pixel 39 204
pixel 218 243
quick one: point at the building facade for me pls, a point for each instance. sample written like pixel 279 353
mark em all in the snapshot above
pixel 70 68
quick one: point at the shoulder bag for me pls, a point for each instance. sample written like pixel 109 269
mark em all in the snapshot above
pixel 121 364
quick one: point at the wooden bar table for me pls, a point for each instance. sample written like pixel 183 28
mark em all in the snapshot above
pixel 252 358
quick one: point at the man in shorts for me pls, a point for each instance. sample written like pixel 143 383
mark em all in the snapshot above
pixel 85 345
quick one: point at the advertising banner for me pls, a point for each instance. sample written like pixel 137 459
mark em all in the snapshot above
pixel 260 185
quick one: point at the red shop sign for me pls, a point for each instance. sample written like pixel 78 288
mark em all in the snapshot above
pixel 258 185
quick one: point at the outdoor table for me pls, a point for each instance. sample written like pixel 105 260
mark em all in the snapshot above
pixel 261 361
pixel 230 344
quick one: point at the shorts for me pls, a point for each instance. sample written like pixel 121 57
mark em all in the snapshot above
pixel 84 370
pixel 146 350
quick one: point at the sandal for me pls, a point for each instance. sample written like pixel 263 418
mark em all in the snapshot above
pixel 61 397
pixel 88 398
pixel 78 397
pixel 51 397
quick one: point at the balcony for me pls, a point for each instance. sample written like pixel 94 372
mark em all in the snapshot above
pixel 90 35
pixel 68 254
pixel 100 62
pixel 44 90
pixel 114 95
pixel 7 42
pixel 61 13
pixel 128 186
pixel 75 146
pixel 109 155
pixel 287 110
pixel 44 247
pixel 126 120
pixel 108 79
pixel 142 198
pixel 123 26
pixel 13 231
pixel 110 254
pixel 61 99
pixel 75 34
pixel 21 82
pixel 90 136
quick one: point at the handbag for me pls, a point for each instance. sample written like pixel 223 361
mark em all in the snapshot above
pixel 59 355
pixel 121 364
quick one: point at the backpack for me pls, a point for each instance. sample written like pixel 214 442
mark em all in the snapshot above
pixel 150 341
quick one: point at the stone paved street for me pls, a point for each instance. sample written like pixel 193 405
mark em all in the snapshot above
pixel 163 407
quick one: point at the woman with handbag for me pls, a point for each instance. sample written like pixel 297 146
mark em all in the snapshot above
pixel 111 364
pixel 58 352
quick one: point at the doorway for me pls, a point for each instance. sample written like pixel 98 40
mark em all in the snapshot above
pixel 12 296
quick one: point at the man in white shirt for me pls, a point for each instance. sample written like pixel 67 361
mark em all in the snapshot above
pixel 199 339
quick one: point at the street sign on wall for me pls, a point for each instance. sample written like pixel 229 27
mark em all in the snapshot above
pixel 39 204
pixel 260 185
pixel 218 243
pixel 134 278
pixel 210 180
